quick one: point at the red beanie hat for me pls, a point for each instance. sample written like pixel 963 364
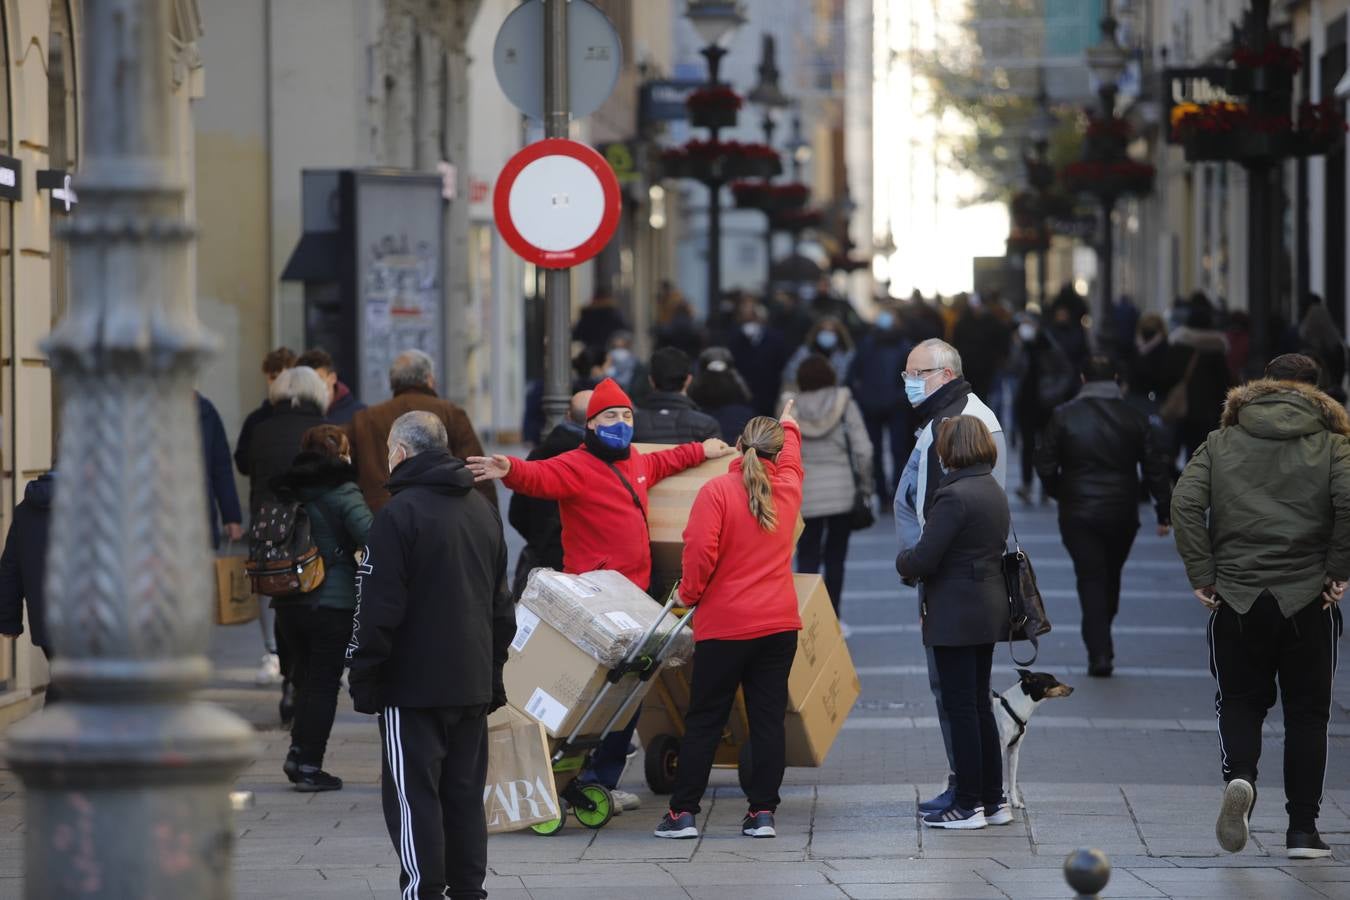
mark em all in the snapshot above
pixel 607 395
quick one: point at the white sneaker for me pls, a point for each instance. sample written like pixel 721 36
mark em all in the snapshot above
pixel 845 630
pixel 1233 827
pixel 624 801
pixel 270 670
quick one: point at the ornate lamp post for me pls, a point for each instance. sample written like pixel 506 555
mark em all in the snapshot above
pixel 127 781
pixel 1041 179
pixel 768 95
pixel 1106 60
pixel 716 22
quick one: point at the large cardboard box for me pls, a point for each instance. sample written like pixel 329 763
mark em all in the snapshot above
pixel 553 680
pixel 668 505
pixel 818 638
pixel 812 728
pixel 520 789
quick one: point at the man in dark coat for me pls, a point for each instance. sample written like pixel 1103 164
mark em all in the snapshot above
pixel 877 380
pixel 761 355
pixel 1089 459
pixel 598 322
pixel 667 415
pixel 23 565
pixel 343 404
pixel 274 363
pixel 983 342
pixel 413 382
pixel 433 625
pixel 538 520
pixel 222 497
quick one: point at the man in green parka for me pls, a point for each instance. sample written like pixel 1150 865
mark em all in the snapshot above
pixel 1262 518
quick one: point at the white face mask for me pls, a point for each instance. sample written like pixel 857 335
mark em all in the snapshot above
pixel 1026 331
pixel 395 458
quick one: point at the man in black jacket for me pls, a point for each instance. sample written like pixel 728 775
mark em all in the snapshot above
pixel 667 415
pixel 432 628
pixel 1088 459
pixel 24 564
pixel 538 520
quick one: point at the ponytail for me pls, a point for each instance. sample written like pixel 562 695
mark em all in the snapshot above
pixel 762 437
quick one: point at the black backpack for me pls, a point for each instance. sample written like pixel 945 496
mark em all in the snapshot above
pixel 283 560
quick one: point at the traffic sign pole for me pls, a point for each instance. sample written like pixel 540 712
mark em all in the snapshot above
pixel 557 282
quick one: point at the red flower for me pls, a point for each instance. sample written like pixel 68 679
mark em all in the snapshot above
pixel 1273 55
pixel 720 97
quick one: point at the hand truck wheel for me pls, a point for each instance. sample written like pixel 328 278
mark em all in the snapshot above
pixel 598 808
pixel 553 826
pixel 662 760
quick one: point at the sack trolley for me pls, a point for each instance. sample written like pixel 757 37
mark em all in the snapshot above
pixel 592 804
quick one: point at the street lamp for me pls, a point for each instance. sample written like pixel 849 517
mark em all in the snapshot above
pixel 768 95
pixel 1107 60
pixel 716 22
pixel 1043 124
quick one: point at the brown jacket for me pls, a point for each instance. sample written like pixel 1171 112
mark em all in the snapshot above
pixel 369 434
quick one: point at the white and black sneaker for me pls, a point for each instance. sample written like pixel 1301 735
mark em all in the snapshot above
pixel 758 824
pixel 680 826
pixel 1306 845
pixel 957 819
pixel 1232 829
pixel 999 813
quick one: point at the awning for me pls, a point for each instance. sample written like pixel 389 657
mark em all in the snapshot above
pixel 315 258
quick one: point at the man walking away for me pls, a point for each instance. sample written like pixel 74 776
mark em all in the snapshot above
pixel 342 404
pixel 432 627
pixel 23 567
pixel 538 520
pixel 1262 514
pixel 667 415
pixel 1089 459
pixel 413 381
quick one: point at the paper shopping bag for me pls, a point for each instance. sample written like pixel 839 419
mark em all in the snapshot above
pixel 235 601
pixel 520 791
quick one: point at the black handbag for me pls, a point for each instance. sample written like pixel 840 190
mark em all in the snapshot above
pixel 1027 620
pixel 861 516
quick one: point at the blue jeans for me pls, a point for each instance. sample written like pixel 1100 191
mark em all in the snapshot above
pixel 607 761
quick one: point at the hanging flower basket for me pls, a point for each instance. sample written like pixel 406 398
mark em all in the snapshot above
pixel 797 220
pixel 768 197
pixel 720 161
pixel 713 107
pixel 1028 240
pixel 1318 129
pixel 1109 178
pixel 1213 132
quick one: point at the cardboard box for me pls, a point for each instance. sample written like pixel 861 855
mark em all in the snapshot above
pixel 553 680
pixel 520 789
pixel 817 640
pixel 811 730
pixel 668 505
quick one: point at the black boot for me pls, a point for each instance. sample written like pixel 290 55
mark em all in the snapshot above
pixel 287 705
pixel 312 780
pixel 292 764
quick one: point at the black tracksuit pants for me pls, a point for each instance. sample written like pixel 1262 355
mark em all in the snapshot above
pixel 963 678
pixel 435 768
pixel 317 638
pixel 1099 551
pixel 760 666
pixel 1248 655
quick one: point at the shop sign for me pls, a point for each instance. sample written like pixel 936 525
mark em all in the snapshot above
pixel 11 178
pixel 1208 84
pixel 57 182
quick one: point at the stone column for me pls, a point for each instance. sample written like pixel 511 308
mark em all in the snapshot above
pixel 127 780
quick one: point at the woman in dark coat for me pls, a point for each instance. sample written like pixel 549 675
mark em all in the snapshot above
pixel 721 392
pixel 959 559
pixel 317 626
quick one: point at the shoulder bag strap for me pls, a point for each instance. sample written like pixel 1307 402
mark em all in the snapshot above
pixel 631 493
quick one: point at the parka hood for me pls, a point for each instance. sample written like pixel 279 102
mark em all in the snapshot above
pixel 818 412
pixel 39 491
pixel 435 469
pixel 1282 410
pixel 314 473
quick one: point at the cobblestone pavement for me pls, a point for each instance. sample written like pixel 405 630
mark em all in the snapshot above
pixel 1128 765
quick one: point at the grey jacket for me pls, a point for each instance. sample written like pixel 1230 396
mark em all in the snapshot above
pixel 824 416
pixel 959 558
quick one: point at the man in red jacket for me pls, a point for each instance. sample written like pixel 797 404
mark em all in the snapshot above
pixel 601 490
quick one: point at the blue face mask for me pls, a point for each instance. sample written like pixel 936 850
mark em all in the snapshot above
pixel 619 435
pixel 915 390
pixel 885 321
pixel 826 340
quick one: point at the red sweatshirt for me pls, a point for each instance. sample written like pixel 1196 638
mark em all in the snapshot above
pixel 738 574
pixel 601 526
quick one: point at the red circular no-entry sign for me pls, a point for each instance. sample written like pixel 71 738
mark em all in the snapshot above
pixel 557 203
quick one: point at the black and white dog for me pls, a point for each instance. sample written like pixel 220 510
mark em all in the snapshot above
pixel 1012 710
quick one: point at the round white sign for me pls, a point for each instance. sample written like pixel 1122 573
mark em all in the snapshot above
pixel 557 203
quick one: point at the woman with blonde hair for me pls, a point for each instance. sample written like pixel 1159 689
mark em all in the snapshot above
pixel 738 574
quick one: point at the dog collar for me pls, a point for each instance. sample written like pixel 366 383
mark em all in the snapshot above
pixel 1021 723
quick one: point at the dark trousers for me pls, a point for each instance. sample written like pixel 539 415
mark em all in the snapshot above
pixel 435 768
pixel 1099 552
pixel 826 538
pixel 1028 428
pixel 608 760
pixel 317 640
pixel 944 723
pixel 1248 655
pixel 963 674
pixel 901 433
pixel 760 666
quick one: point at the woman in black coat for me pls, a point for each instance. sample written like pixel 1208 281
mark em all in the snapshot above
pixel 959 559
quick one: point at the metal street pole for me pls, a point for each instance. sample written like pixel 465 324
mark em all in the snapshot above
pixel 713 54
pixel 557 282
pixel 1261 223
pixel 1108 263
pixel 769 128
pixel 127 780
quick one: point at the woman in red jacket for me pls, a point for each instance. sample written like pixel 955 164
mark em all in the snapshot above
pixel 738 573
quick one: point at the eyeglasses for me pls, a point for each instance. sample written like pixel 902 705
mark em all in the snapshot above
pixel 922 373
